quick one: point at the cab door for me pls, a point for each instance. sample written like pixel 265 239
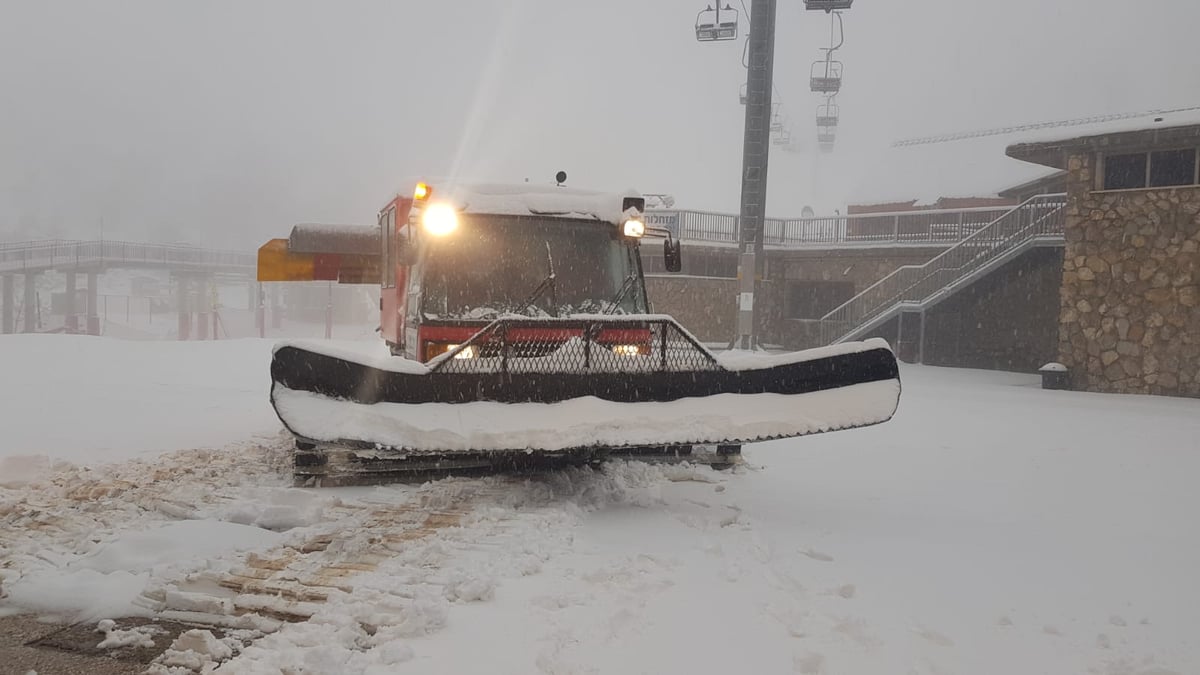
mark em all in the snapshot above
pixel 392 292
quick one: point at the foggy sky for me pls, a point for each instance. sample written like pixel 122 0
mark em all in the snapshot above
pixel 224 122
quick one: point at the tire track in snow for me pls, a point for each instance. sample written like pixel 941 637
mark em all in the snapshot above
pixel 65 513
pixel 486 530
pixel 357 571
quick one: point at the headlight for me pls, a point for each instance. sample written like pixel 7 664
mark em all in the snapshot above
pixel 634 228
pixel 436 349
pixel 630 350
pixel 439 219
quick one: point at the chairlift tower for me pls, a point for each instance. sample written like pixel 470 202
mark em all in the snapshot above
pixel 761 121
pixel 756 147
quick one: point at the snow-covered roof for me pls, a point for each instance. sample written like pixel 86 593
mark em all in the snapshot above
pixel 1113 124
pixel 322 238
pixel 967 167
pixel 977 163
pixel 1040 145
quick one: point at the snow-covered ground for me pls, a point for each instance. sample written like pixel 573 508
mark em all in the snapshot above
pixel 990 527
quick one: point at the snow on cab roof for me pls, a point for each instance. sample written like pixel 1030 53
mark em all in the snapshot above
pixel 524 199
pixel 539 200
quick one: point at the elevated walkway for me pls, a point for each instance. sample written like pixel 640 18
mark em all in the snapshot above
pixel 924 228
pixel 916 288
pixel 193 265
pixel 65 255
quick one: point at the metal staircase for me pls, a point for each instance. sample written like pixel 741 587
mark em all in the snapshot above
pixel 1036 222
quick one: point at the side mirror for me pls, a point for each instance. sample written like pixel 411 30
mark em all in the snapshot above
pixel 673 255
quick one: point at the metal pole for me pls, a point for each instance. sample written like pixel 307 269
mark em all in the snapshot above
pixel 7 301
pixel 921 340
pixel 755 149
pixel 329 310
pixel 70 320
pixel 260 312
pixel 93 318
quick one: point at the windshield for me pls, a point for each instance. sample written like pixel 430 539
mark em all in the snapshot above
pixel 495 265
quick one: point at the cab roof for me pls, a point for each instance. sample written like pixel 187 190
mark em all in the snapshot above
pixel 528 199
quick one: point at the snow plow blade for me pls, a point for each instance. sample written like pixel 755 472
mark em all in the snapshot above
pixel 523 390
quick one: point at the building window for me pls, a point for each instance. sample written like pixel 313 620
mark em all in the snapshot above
pixel 1163 168
pixel 814 299
pixel 1122 172
pixel 1172 167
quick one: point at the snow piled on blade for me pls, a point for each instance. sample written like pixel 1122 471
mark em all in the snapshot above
pixel 375 354
pixel 584 422
pixel 746 360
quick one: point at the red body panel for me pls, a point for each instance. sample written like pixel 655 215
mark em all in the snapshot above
pixel 393 298
pixel 450 332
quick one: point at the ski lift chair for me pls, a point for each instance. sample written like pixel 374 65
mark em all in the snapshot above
pixel 825 77
pixel 776 120
pixel 827 5
pixel 825 138
pixel 827 116
pixel 711 26
pixel 784 137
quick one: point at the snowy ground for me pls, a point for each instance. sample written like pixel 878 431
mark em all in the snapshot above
pixel 991 527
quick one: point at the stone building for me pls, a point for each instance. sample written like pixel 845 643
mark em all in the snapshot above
pixel 1129 314
pixel 913 203
pixel 1090 257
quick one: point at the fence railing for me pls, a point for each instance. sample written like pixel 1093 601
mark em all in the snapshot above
pixel 54 253
pixel 935 226
pixel 917 284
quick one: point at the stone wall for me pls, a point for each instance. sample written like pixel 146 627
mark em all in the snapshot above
pixel 862 267
pixel 705 306
pixel 1130 297
pixel 1007 320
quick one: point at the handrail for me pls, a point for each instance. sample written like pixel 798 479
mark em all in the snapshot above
pixel 935 212
pixel 916 284
pixel 937 227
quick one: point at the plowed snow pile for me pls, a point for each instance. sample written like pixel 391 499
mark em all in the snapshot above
pixel 991 527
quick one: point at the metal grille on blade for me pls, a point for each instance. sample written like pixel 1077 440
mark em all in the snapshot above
pixel 608 345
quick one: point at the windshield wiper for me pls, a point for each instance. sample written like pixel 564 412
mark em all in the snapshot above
pixel 548 282
pixel 626 286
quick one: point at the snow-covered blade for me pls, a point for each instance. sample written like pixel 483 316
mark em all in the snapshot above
pixel 579 388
